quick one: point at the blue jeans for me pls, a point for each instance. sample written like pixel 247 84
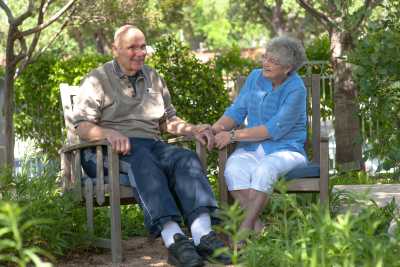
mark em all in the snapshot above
pixel 170 182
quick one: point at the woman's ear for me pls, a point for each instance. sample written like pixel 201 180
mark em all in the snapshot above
pixel 288 70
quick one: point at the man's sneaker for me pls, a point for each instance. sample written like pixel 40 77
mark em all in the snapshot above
pixel 209 244
pixel 183 253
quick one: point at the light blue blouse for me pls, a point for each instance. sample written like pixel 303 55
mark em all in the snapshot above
pixel 282 111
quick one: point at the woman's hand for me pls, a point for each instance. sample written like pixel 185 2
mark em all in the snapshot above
pixel 203 133
pixel 222 139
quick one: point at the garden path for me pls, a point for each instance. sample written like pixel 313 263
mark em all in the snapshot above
pixel 381 193
pixel 138 252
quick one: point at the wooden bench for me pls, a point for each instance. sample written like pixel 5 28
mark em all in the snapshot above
pixel 312 178
pixel 107 191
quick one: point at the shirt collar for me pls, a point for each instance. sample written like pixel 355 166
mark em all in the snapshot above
pixel 120 74
pixel 263 80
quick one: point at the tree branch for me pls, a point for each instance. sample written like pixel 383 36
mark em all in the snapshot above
pixel 362 12
pixel 29 57
pixel 35 39
pixel 22 54
pixel 263 11
pixel 51 20
pixel 25 15
pixel 46 5
pixel 332 6
pixel 323 18
pixel 54 38
pixel 7 11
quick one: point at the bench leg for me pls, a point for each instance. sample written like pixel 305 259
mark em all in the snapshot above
pixel 89 205
pixel 116 236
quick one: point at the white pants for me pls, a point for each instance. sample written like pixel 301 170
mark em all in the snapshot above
pixel 255 170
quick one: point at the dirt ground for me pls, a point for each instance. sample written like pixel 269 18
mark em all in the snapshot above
pixel 138 252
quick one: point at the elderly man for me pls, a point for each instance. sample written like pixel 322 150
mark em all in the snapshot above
pixel 123 101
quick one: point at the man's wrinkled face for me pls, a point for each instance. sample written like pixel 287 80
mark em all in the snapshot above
pixel 130 51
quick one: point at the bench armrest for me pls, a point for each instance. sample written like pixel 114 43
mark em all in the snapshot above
pixel 82 145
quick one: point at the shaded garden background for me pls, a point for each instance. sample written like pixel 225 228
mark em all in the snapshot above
pixel 175 29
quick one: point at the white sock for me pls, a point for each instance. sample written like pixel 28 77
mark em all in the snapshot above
pixel 200 227
pixel 169 230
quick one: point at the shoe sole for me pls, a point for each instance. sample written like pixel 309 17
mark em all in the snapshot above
pixel 174 261
pixel 214 260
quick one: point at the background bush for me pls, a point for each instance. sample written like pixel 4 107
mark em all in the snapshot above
pixel 13 232
pixel 38 105
pixel 377 74
pixel 41 200
pixel 310 235
pixel 197 90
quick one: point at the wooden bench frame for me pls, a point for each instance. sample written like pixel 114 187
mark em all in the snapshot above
pixel 319 147
pixel 107 194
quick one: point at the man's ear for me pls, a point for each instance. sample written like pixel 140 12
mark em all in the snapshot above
pixel 114 50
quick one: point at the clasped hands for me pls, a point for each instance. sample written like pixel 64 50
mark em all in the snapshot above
pixel 205 134
pixel 202 132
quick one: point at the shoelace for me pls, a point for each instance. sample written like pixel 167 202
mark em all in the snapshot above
pixel 214 241
pixel 184 245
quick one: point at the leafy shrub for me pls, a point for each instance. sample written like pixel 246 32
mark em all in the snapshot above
pixel 65 227
pixel 313 236
pixel 14 247
pixel 378 77
pixel 197 91
pixel 229 63
pixel 39 113
pixel 319 48
pixel 41 198
pixel 38 106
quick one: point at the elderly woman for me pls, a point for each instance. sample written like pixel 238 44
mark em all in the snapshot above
pixel 273 99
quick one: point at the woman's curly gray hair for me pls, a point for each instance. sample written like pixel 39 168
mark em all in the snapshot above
pixel 288 51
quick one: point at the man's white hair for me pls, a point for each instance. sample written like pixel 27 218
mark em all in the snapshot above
pixel 122 30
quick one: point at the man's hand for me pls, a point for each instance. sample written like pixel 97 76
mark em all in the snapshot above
pixel 222 139
pixel 203 133
pixel 119 142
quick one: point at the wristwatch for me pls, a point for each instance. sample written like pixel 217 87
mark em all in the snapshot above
pixel 233 135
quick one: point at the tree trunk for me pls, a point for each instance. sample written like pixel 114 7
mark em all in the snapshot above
pixel 102 46
pixel 347 121
pixel 2 126
pixel 77 35
pixel 8 111
pixel 8 104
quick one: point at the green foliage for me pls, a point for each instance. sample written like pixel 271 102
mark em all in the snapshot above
pixel 197 91
pixel 230 64
pixel 65 220
pixel 14 226
pixel 38 106
pixel 132 222
pixel 378 77
pixel 313 236
pixel 318 55
pixel 319 48
pixel 41 198
pixel 231 217
pixel 361 177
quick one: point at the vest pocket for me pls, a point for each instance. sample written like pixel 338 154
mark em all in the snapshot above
pixel 153 104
